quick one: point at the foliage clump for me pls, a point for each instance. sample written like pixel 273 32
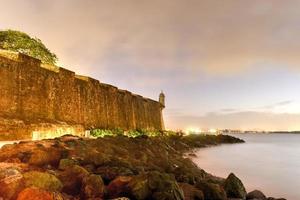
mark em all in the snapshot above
pixel 120 132
pixel 21 42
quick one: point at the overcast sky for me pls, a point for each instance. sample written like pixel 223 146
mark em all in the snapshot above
pixel 221 64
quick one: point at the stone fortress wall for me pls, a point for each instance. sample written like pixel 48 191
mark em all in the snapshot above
pixel 34 96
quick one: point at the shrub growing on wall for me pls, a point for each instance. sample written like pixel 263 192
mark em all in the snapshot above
pixel 23 43
pixel 120 132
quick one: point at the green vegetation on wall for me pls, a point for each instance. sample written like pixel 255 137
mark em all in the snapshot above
pixel 119 132
pixel 21 42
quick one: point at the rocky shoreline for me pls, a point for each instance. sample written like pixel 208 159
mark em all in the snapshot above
pixel 71 168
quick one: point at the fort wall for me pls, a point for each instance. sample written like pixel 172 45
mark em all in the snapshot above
pixel 36 93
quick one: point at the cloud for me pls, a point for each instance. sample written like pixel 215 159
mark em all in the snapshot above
pixel 228 110
pixel 263 118
pixel 198 36
pixel 276 105
pixel 269 107
pixel 239 120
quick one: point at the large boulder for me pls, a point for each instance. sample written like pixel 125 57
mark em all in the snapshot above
pixel 42 180
pixel 256 194
pixel 41 157
pixel 234 187
pixel 118 187
pixel 155 185
pixel 72 179
pixel 92 187
pixel 190 192
pixel 11 182
pixel 211 191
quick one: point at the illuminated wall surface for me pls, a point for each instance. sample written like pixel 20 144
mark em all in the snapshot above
pixel 34 95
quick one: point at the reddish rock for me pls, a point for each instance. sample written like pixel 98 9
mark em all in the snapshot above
pixel 35 194
pixel 118 187
pixel 11 182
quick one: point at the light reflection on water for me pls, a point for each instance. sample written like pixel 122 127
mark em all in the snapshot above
pixel 268 162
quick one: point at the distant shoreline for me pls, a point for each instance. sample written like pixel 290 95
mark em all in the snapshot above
pixel 263 132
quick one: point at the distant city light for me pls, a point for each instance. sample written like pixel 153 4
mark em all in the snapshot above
pixel 212 130
pixel 193 130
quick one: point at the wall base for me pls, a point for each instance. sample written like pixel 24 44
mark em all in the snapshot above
pixel 15 129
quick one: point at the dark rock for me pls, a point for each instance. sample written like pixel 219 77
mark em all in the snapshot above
pixel 256 194
pixel 234 187
pixel 72 179
pixel 190 192
pixel 155 185
pixel 90 168
pixel 211 191
pixel 110 173
pixel 42 180
pixel 92 187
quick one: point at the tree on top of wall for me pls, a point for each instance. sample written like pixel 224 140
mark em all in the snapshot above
pixel 23 43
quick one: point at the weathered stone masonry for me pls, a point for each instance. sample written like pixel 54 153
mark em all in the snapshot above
pixel 34 96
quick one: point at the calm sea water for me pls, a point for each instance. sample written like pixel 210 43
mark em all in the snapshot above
pixel 267 162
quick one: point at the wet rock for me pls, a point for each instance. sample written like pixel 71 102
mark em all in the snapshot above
pixel 211 191
pixel 256 194
pixel 190 192
pixel 72 179
pixel 234 187
pixel 92 187
pixel 11 182
pixel 155 185
pixel 118 187
pixel 42 180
